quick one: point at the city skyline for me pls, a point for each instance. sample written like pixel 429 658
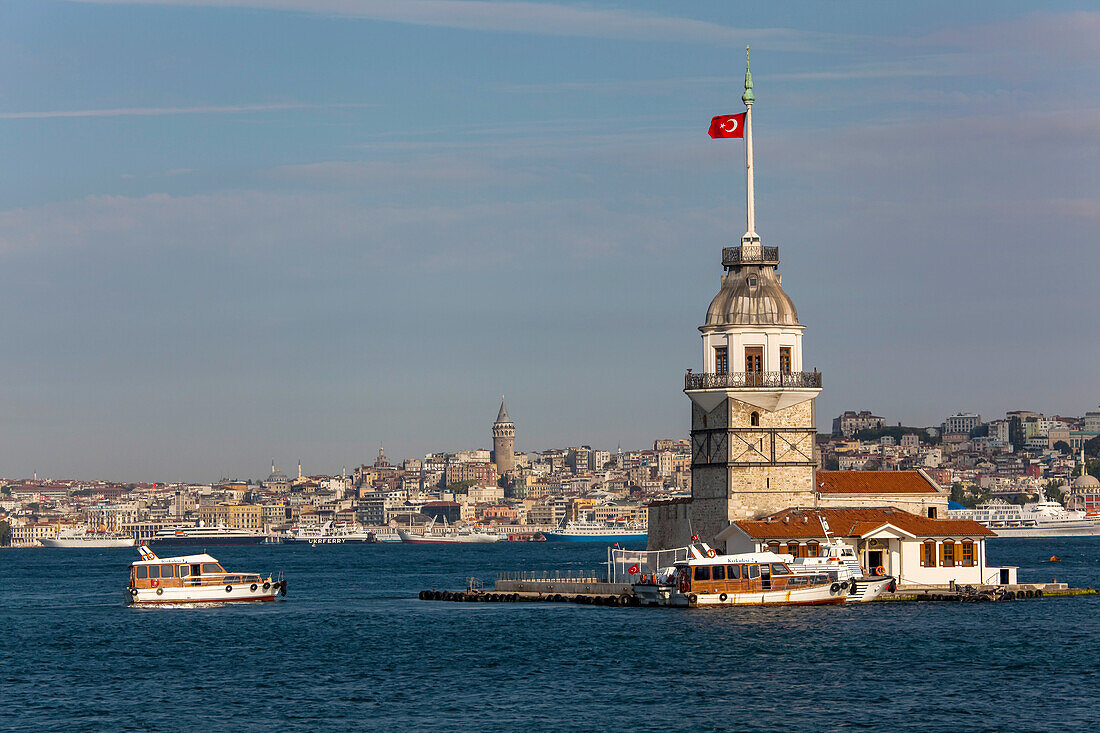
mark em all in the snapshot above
pixel 280 228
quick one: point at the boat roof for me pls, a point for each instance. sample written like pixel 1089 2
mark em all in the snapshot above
pixel 176 560
pixel 767 556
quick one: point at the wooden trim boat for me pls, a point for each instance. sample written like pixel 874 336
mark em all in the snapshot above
pixel 748 579
pixel 195 579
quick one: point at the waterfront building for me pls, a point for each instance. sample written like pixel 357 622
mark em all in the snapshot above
pixel 888 541
pixel 504 441
pixel 752 405
pixel 961 423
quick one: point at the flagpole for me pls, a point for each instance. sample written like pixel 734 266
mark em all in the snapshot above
pixel 748 98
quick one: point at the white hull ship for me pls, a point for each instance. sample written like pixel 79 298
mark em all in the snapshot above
pixel 1044 518
pixel 195 579
pixel 205 537
pixel 81 537
pixel 448 535
pixel 598 532
pixel 328 534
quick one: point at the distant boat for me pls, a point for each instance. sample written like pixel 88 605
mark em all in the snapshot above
pixel 328 534
pixel 448 535
pixel 1044 518
pixel 598 532
pixel 195 579
pixel 205 536
pixel 80 537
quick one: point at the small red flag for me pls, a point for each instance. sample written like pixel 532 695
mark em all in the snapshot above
pixel 695 538
pixel 633 569
pixel 728 126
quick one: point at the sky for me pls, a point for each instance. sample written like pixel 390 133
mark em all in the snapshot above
pixel 241 230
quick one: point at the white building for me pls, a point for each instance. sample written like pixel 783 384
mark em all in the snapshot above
pixel 962 422
pixel 916 550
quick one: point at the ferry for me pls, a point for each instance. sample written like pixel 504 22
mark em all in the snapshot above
pixel 448 535
pixel 598 532
pixel 1043 518
pixel 195 579
pixel 328 534
pixel 205 536
pixel 82 537
pixel 748 579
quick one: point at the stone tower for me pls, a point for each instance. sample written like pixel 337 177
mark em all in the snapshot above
pixel 504 441
pixel 752 405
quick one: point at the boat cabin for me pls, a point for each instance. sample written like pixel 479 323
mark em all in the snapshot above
pixel 732 574
pixel 187 571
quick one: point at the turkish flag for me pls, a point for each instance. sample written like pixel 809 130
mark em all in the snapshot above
pixel 633 570
pixel 728 126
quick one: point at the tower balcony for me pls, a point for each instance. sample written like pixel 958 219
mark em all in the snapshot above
pixel 750 254
pixel 753 380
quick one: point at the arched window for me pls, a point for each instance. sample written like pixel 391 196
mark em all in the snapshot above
pixel 774 547
pixel 754 419
pixel 928 554
pixel 813 549
pixel 792 549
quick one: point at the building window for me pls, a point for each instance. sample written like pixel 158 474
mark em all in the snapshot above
pixel 931 512
pixel 813 549
pixel 928 554
pixel 785 359
pixel 774 547
pixel 947 553
pixel 754 359
pixel 792 549
pixel 721 360
pixel 967 554
pixel 754 419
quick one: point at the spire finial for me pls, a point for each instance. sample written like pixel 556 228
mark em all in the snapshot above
pixel 748 97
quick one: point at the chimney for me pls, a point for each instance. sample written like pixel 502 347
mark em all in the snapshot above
pixel 786 520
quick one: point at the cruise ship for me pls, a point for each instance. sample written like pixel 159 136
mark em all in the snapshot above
pixel 598 532
pixel 204 536
pixel 1044 518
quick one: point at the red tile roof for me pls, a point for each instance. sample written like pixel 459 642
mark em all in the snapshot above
pixel 873 482
pixel 804 524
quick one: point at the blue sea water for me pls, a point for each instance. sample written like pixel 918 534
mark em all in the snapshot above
pixel 352 648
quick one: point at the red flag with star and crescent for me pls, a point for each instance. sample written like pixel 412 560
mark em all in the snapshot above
pixel 728 126
pixel 633 569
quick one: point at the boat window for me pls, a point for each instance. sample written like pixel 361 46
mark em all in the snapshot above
pixel 185 570
pixel 211 567
pixel 779 568
pixel 733 572
pixel 141 571
pixel 702 572
pixel 754 572
pixel 154 571
pixel 718 572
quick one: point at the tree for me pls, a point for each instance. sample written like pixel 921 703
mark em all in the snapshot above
pixel 982 431
pixel 460 487
pixel 1092 447
pixel 1063 446
pixel 5 534
pixel 1053 490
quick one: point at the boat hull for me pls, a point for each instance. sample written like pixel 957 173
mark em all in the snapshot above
pixel 428 539
pixel 149 596
pixel 621 537
pixel 329 541
pixel 1083 529
pixel 208 541
pixel 75 544
pixel 816 596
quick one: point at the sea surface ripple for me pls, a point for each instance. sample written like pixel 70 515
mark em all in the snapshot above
pixel 351 648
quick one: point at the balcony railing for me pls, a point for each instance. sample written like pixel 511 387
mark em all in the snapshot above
pixel 750 254
pixel 740 380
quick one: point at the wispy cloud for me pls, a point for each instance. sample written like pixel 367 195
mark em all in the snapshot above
pixel 164 111
pixel 526 17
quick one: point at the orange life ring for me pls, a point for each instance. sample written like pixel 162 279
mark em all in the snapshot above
pixel 711 552
pixel 880 570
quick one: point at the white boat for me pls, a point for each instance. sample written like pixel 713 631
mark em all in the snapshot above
pixel 82 537
pixel 328 534
pixel 205 537
pixel 195 579
pixel 448 535
pixel 598 532
pixel 747 579
pixel 839 562
pixel 1043 518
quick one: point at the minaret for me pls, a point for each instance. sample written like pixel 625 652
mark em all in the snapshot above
pixel 504 441
pixel 299 468
pixel 752 406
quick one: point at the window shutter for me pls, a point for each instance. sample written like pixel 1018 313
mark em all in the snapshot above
pixel 941 553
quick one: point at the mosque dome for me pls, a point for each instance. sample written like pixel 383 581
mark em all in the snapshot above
pixel 752 296
pixel 1085 482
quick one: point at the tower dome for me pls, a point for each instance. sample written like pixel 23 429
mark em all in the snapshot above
pixel 751 295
